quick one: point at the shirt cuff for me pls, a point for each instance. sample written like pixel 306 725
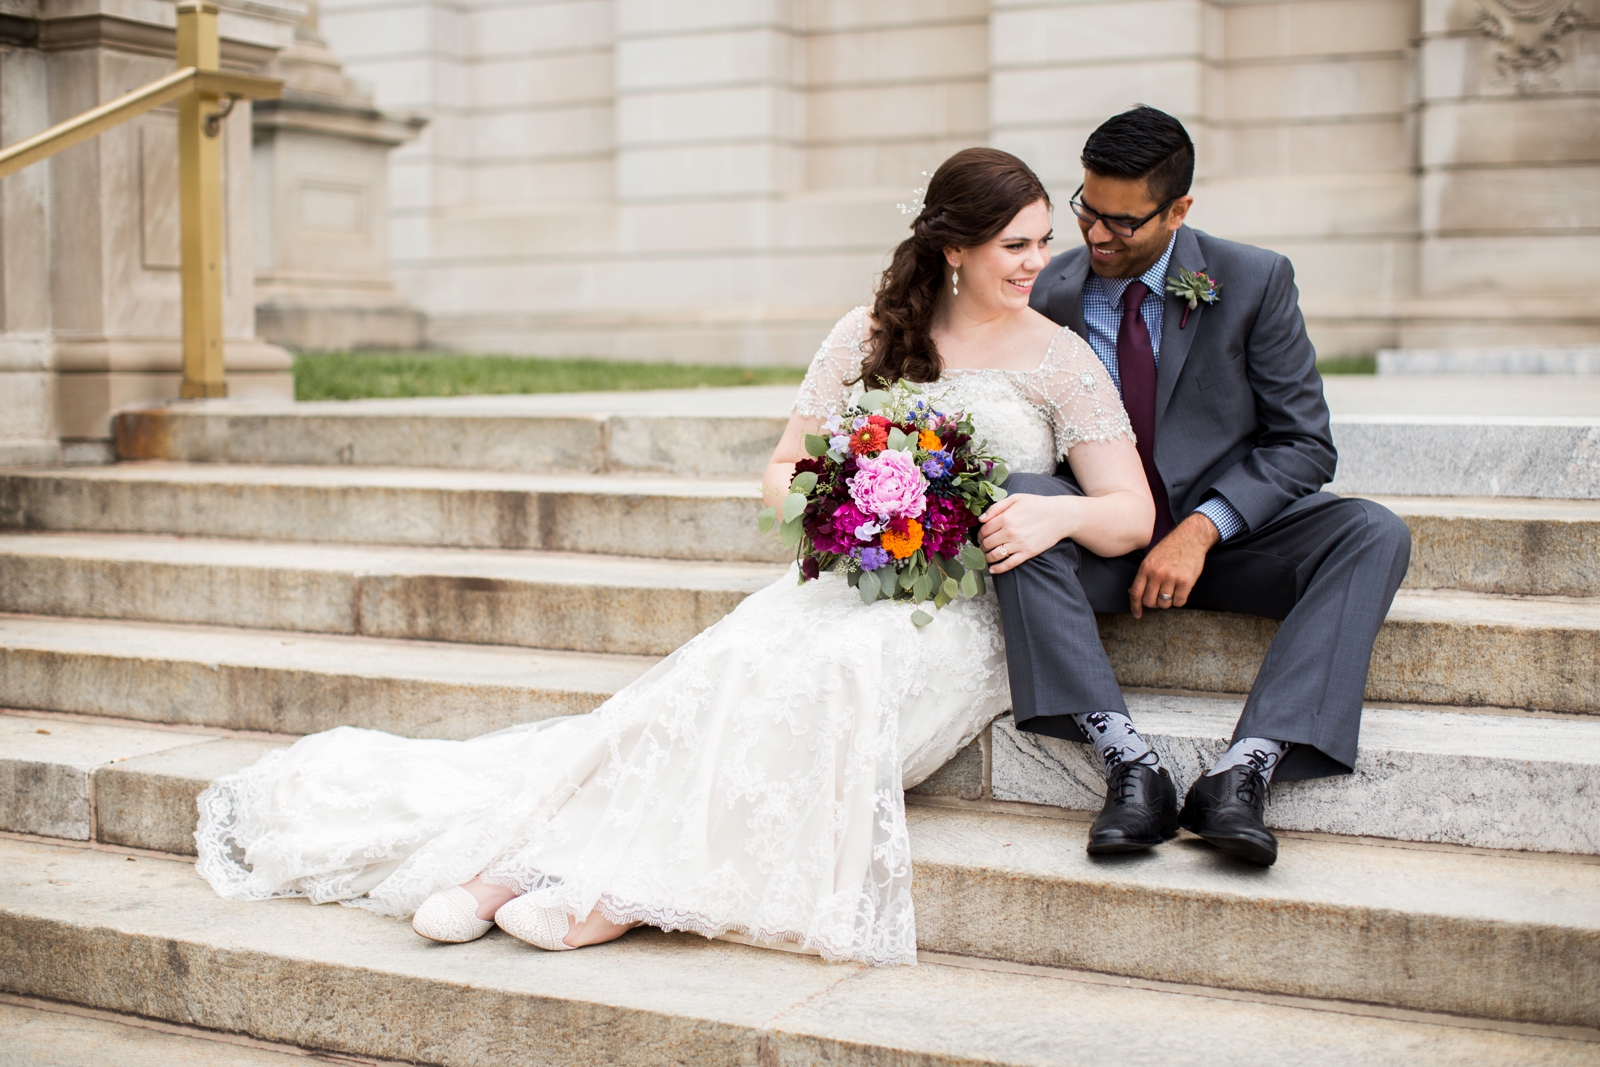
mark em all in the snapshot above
pixel 1223 515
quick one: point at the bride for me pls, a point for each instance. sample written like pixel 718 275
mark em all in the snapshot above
pixel 752 781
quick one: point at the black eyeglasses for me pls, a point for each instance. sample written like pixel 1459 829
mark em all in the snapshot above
pixel 1122 227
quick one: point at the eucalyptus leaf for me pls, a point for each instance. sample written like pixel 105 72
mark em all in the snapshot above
pixel 767 520
pixel 977 576
pixel 998 493
pixel 868 587
pixel 969 584
pixel 954 569
pixel 853 578
pixel 872 401
pixel 940 599
pixel 921 618
pixel 791 532
pixel 794 506
pixel 949 589
pixel 908 577
pixel 816 444
pixel 803 482
pixel 972 556
pixel 898 439
pixel 999 474
pixel 922 589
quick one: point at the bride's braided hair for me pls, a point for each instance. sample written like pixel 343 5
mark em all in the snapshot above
pixel 969 200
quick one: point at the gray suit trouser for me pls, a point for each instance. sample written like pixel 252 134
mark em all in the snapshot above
pixel 1327 567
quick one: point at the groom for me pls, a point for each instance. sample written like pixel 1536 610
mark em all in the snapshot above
pixel 1232 429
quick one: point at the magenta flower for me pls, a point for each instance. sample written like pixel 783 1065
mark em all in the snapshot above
pixel 889 484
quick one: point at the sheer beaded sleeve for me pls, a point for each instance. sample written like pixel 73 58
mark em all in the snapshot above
pixel 837 362
pixel 1074 390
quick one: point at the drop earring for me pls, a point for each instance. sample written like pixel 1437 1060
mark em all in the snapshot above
pixel 955 278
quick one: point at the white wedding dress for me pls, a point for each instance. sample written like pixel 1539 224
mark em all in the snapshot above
pixel 751 781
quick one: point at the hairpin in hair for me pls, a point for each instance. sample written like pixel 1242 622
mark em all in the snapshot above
pixel 916 205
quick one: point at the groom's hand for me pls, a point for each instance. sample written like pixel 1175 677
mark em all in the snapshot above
pixel 1171 568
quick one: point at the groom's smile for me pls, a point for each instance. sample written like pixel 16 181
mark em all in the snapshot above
pixel 1124 202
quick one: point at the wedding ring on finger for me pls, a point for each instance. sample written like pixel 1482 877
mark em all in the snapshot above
pixel 1163 596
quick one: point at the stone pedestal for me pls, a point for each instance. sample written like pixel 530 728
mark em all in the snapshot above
pixel 89 238
pixel 322 208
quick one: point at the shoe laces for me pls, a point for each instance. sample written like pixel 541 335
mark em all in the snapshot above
pixel 1252 787
pixel 1123 785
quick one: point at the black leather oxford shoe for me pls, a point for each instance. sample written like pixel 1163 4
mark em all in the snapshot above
pixel 1141 811
pixel 1226 810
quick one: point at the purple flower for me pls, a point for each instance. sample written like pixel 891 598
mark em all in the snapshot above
pixel 937 467
pixel 809 568
pixel 889 484
pixel 872 558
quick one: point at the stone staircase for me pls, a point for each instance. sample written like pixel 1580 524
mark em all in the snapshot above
pixel 440 569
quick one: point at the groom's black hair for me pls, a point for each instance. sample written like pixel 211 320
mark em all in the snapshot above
pixel 1143 143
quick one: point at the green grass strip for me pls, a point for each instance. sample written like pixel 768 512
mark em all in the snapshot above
pixel 1348 365
pixel 359 375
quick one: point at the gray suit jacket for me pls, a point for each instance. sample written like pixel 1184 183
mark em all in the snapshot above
pixel 1239 405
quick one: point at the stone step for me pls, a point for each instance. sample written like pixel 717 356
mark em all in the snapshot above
pixel 1507 437
pixel 1488 545
pixel 1436 647
pixel 690 431
pixel 1538 547
pixel 1455 777
pixel 1486 781
pixel 294 683
pixel 551 600
pixel 681 518
pixel 55 1035
pixel 1460 455
pixel 1497 937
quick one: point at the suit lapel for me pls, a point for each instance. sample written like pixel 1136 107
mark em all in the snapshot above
pixel 1175 342
pixel 1066 297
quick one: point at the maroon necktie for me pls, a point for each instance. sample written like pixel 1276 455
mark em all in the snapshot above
pixel 1136 363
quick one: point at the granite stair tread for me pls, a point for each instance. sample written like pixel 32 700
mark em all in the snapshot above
pixel 1487 938
pixel 295 683
pixel 555 600
pixel 51 1036
pixel 651 515
pixel 1486 781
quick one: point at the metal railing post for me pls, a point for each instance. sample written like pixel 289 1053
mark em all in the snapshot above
pixel 200 193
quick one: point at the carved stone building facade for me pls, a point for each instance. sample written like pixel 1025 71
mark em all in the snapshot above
pixel 717 179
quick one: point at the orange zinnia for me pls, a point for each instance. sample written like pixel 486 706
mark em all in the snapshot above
pixel 901 545
pixel 929 441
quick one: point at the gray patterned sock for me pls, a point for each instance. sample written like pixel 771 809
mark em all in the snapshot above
pixel 1115 740
pixel 1262 753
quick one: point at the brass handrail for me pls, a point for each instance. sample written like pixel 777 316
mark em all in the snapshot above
pixel 197 85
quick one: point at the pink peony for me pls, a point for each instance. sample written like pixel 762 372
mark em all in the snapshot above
pixel 889 484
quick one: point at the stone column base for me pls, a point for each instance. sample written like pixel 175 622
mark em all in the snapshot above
pixel 336 328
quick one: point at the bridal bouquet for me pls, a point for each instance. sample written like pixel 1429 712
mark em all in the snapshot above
pixel 890 497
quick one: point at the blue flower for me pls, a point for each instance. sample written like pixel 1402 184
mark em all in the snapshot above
pixel 938 465
pixel 871 558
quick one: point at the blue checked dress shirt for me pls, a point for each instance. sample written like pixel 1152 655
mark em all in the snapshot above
pixel 1102 313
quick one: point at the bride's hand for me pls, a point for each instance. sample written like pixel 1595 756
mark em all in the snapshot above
pixel 1021 526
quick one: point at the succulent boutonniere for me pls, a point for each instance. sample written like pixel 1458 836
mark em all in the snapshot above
pixel 1193 287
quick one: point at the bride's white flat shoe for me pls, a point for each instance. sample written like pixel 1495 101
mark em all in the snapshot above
pixel 451 916
pixel 538 926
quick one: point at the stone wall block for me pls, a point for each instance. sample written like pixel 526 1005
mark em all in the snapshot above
pixel 1316 89
pixel 1049 35
pixel 948 51
pixel 1274 31
pixel 1515 200
pixel 1499 131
